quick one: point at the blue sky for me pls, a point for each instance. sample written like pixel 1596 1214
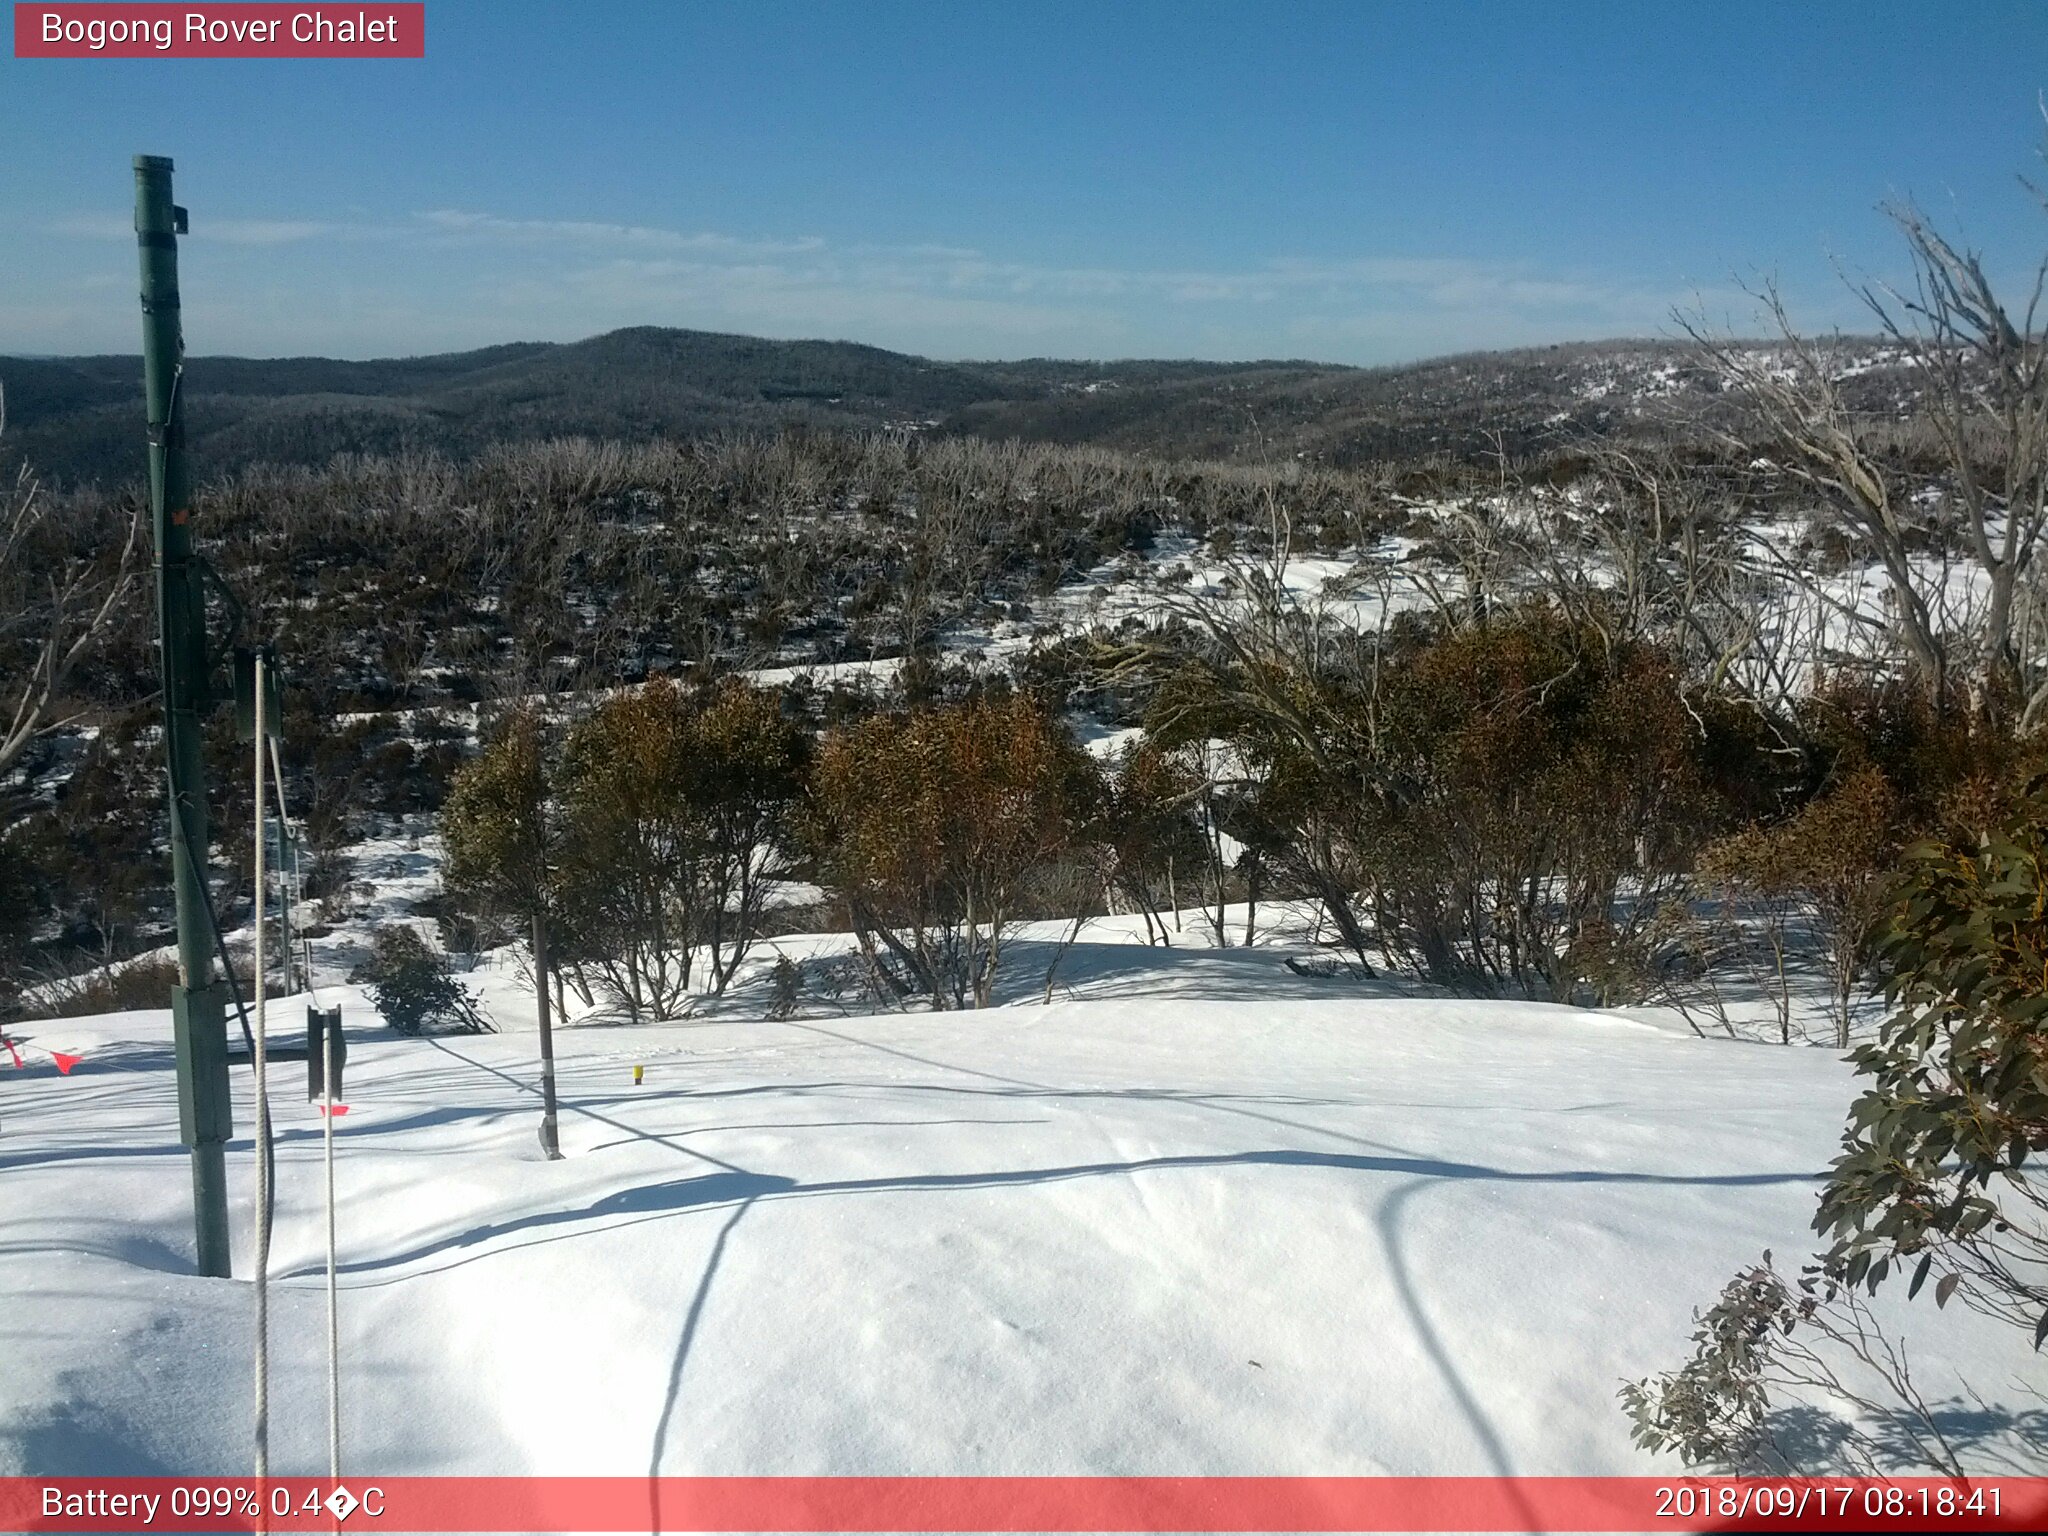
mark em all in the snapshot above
pixel 1355 182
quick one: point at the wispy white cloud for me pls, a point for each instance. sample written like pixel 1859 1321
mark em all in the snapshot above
pixel 271 231
pixel 473 272
pixel 1441 282
pixel 582 232
pixel 91 226
pixel 99 226
pixel 827 296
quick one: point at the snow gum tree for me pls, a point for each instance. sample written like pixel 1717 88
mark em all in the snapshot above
pixel 503 836
pixel 1968 608
pixel 677 808
pixel 65 570
pixel 933 825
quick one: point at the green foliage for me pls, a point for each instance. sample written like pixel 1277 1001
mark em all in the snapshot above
pixel 1934 1170
pixel 1714 1410
pixel 677 808
pixel 413 991
pixel 787 988
pixel 499 828
pixel 1934 1174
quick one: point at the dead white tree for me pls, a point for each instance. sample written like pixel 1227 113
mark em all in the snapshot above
pixel 1984 395
pixel 1795 389
pixel 57 596
pixel 1961 563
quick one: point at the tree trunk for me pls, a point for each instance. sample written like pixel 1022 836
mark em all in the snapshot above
pixel 1213 849
pixel 550 1140
pixel 868 925
pixel 1336 904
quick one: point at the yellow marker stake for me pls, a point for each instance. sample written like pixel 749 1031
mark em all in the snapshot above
pixel 636 1075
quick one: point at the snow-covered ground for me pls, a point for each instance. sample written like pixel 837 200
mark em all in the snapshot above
pixel 1199 1215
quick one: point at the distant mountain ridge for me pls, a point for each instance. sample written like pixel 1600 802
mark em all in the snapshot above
pixel 79 418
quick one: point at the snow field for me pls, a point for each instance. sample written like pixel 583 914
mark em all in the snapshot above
pixel 1205 1217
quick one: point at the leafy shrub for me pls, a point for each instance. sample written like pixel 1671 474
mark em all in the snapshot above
pixel 1141 830
pixel 501 828
pixel 327 875
pixel 1763 1338
pixel 411 989
pixel 1958 1093
pixel 1511 802
pixel 786 985
pixel 1831 864
pixel 1525 773
pixel 1934 1173
pixel 96 854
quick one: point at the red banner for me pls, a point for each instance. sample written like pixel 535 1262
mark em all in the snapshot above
pixel 560 1504
pixel 117 31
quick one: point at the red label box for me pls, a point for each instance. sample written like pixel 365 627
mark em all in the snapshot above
pixel 389 1506
pixel 253 31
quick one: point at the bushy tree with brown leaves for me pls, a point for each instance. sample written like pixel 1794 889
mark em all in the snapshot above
pixel 1532 794
pixel 1144 837
pixel 1827 868
pixel 932 827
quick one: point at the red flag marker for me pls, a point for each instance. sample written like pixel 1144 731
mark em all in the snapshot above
pixel 339 1109
pixel 64 1063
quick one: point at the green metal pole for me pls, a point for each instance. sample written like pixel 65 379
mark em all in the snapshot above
pixel 199 1000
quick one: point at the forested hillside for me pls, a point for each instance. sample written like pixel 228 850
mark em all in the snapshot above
pixel 75 418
